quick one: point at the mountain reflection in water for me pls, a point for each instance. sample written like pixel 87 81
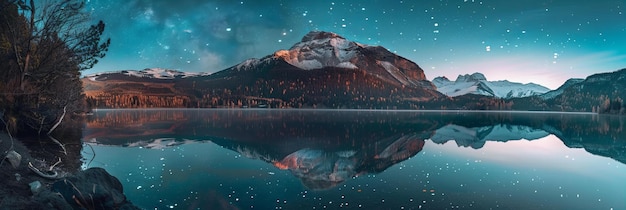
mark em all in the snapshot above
pixel 325 148
pixel 273 135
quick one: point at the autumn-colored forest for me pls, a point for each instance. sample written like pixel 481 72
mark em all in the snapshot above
pixel 327 88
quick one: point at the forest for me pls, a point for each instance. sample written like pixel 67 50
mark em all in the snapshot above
pixel 43 49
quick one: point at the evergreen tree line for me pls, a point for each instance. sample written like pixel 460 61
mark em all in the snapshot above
pixel 43 49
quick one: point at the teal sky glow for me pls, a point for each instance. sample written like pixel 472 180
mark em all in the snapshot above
pixel 540 41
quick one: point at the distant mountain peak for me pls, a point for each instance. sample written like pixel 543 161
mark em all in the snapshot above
pixel 317 35
pixel 442 78
pixel 319 49
pixel 475 77
pixel 477 83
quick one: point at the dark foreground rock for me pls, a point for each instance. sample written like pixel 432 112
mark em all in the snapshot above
pixel 93 188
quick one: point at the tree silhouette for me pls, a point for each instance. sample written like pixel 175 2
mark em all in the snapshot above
pixel 43 48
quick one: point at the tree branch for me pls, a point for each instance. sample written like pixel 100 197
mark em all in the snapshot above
pixel 54 127
pixel 59 122
pixel 59 143
pixel 55 164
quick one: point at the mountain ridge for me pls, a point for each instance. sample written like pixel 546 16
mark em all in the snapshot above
pixel 554 93
pixel 477 83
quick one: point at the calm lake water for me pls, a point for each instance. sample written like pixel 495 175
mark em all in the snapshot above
pixel 328 159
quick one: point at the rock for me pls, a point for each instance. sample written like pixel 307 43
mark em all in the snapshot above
pixel 35 187
pixel 93 188
pixel 15 158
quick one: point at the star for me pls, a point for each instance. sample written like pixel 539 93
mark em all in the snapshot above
pixel 501 39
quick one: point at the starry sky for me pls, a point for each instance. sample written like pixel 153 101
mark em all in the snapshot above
pixel 540 41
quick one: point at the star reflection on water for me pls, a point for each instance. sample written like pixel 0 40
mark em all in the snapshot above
pixel 264 159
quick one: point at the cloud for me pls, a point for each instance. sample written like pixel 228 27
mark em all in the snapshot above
pixel 210 61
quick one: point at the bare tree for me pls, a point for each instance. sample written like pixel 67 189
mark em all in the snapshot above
pixel 46 44
pixel 56 28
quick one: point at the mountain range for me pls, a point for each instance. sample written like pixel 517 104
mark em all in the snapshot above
pixel 477 83
pixel 325 70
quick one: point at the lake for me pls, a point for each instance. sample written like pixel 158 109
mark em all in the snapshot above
pixel 351 159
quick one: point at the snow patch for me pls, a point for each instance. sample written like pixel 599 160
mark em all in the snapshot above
pixel 247 63
pixel 309 64
pixel 457 89
pixel 347 65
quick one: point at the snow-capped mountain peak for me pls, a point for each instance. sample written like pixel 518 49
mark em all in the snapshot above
pixel 320 49
pixel 477 83
pixel 475 77
pixel 441 81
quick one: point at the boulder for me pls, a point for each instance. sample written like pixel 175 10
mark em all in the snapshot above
pixel 14 158
pixel 93 188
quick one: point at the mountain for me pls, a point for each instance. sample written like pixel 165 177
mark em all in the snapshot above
pixel 600 93
pixel 477 83
pixel 319 50
pixel 554 93
pixel 324 64
pixel 322 70
pixel 324 168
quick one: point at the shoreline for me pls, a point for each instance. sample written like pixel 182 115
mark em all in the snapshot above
pixel 355 110
pixel 22 188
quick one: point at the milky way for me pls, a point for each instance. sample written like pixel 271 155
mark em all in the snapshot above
pixel 540 41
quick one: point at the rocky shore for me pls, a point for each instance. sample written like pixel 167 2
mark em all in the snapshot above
pixel 28 185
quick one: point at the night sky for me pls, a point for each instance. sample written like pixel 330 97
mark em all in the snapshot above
pixel 540 41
